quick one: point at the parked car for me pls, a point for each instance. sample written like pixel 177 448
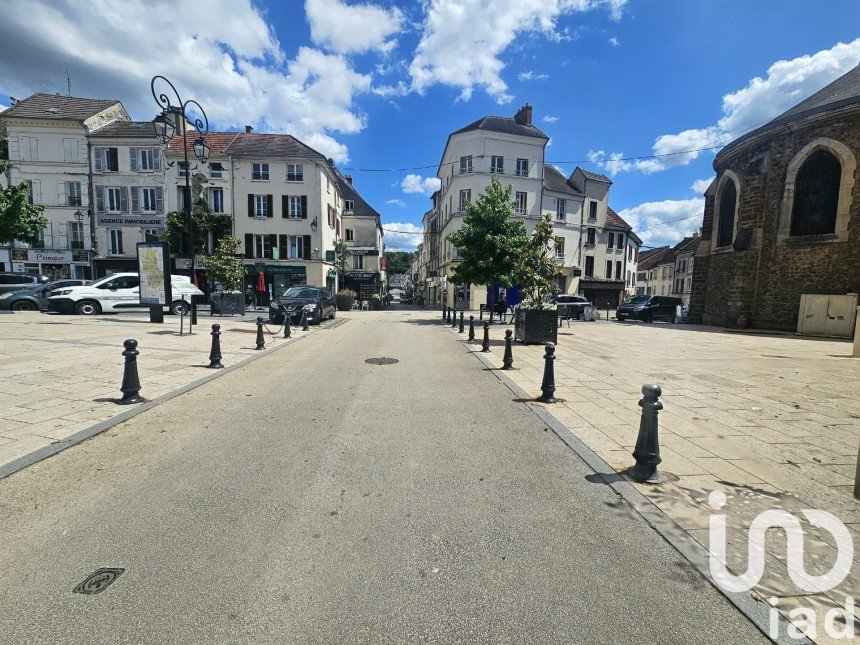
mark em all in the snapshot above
pixel 118 292
pixel 649 308
pixel 35 298
pixel 316 301
pixel 13 281
pixel 569 305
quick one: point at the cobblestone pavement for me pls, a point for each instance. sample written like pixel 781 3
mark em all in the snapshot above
pixel 772 420
pixel 60 374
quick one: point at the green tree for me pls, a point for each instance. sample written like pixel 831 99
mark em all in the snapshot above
pixel 490 240
pixel 19 219
pixel 341 260
pixel 399 262
pixel 223 266
pixel 537 265
pixel 204 223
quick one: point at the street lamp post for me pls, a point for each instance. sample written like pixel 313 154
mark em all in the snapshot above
pixel 166 123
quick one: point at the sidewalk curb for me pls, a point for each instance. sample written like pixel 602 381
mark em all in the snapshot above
pixel 82 435
pixel 756 611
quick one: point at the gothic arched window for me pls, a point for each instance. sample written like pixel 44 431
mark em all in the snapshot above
pixel 726 222
pixel 816 195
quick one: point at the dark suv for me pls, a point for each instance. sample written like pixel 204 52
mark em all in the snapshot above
pixel 649 308
pixel 316 301
pixel 570 306
pixel 20 281
pixel 35 298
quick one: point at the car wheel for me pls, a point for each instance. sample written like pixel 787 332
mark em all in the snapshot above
pixel 649 318
pixel 179 308
pixel 674 320
pixel 333 312
pixel 24 305
pixel 88 308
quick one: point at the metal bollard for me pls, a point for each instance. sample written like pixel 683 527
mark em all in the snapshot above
pixel 508 359
pixel 215 351
pixel 647 450
pixel 857 477
pixel 461 323
pixel 304 320
pixel 193 312
pixel 547 386
pixel 261 342
pixel 130 387
pixel 444 312
pixel 485 345
pixel 287 331
pixel 453 319
pixel 480 314
pixel 491 316
pixel 471 328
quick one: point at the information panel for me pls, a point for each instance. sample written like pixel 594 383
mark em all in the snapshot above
pixel 153 266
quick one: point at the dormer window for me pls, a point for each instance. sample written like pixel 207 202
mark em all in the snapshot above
pixel 349 205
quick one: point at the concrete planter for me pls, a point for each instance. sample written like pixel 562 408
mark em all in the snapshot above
pixel 532 326
pixel 344 303
pixel 227 304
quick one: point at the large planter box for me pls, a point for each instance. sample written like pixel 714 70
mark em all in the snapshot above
pixel 344 303
pixel 536 326
pixel 227 304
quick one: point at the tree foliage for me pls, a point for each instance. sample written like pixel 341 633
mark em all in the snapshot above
pixel 223 266
pixel 537 265
pixel 204 222
pixel 19 219
pixel 341 259
pixel 490 240
pixel 399 262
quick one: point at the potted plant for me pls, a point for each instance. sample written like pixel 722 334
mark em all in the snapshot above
pixel 376 301
pixel 224 267
pixel 536 319
pixel 344 299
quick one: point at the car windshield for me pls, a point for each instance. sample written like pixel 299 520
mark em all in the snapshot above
pixel 636 299
pixel 301 292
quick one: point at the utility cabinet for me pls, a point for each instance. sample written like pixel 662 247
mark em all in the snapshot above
pixel 827 315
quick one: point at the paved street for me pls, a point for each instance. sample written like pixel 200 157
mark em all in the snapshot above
pixel 312 497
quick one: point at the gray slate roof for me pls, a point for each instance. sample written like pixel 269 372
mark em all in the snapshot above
pixel 555 181
pixel 596 176
pixel 652 257
pixel 126 129
pixel 57 107
pixel 270 145
pixel 360 207
pixel 505 124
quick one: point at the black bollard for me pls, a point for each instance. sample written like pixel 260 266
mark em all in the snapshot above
pixel 193 312
pixel 130 387
pixel 287 331
pixel 461 323
pixel 508 359
pixel 304 320
pixel 471 328
pixel 491 316
pixel 444 312
pixel 215 352
pixel 261 342
pixel 453 319
pixel 485 346
pixel 480 314
pixel 647 450
pixel 448 316
pixel 547 386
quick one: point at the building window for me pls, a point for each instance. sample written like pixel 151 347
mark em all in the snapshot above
pixel 522 167
pixel 560 209
pixel 115 241
pixel 497 165
pixel 816 195
pixel 620 241
pixel 113 200
pixel 295 172
pixel 147 200
pixel 216 170
pixel 217 197
pixel 521 207
pixel 465 198
pixel 29 149
pixel 609 269
pixel 151 235
pixel 108 160
pixel 70 150
pixel 182 169
pixel 726 223
pixel 263 246
pixel 183 197
pixel 350 235
pixel 260 171
pixel 610 241
pixel 73 193
pixel 559 248
pixel 589 266
pixel 261 205
pixel 357 261
pixel 688 284
pixel 617 270
pixel 465 164
pixel 592 210
pixel 294 207
pixel 591 237
pixel 349 205
pixel 296 247
pixel 76 235
pixel 145 159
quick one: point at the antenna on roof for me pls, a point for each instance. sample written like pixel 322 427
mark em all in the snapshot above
pixel 68 83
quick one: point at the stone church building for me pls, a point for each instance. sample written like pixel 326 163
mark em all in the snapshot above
pixel 782 216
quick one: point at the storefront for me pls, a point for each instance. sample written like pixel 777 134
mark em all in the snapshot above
pixel 277 278
pixel 603 294
pixel 57 265
pixel 365 284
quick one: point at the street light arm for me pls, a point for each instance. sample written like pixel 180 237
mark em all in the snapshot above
pixel 200 126
pixel 163 99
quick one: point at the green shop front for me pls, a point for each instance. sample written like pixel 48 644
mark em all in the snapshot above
pixel 277 278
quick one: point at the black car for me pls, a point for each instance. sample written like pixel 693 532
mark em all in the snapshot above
pixel 35 298
pixel 316 301
pixel 11 281
pixel 649 308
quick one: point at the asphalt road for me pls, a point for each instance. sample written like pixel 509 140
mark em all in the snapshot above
pixel 311 497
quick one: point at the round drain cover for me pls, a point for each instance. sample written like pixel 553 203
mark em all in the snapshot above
pixel 381 361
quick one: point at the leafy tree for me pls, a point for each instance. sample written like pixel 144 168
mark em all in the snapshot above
pixel 537 265
pixel 490 240
pixel 399 262
pixel 19 219
pixel 341 260
pixel 204 223
pixel 223 266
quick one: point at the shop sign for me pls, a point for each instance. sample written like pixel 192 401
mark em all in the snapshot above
pixel 130 220
pixel 361 277
pixel 355 250
pixel 286 268
pixel 53 257
pixel 18 255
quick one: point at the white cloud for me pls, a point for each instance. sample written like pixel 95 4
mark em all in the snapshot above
pixel 235 67
pixel 787 83
pixel 357 28
pixel 415 184
pixel 665 222
pixel 396 202
pixel 462 40
pixel 701 185
pixel 532 76
pixel 614 41
pixel 612 163
pixel 550 119
pixel 387 91
pixel 402 236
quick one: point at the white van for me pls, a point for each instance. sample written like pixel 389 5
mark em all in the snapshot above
pixel 118 292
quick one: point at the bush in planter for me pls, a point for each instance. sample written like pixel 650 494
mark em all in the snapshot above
pixel 536 321
pixel 224 267
pixel 376 301
pixel 344 299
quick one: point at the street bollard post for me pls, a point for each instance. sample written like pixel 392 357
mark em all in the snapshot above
pixel 304 320
pixel 857 477
pixel 193 313
pixel 261 341
pixel 461 323
pixel 547 386
pixel 215 351
pixel 485 345
pixel 471 328
pixel 647 450
pixel 453 319
pixel 444 312
pixel 287 331
pixel 508 359
pixel 130 387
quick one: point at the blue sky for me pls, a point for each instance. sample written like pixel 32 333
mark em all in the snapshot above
pixel 379 84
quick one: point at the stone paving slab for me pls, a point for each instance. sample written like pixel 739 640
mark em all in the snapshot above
pixel 771 420
pixel 60 374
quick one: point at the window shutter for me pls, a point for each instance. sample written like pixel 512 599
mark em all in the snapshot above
pixel 37 191
pixel 113 159
pixel 307 249
pixel 269 206
pixel 132 158
pixel 285 207
pixel 249 245
pixel 159 200
pixel 273 242
pixel 123 200
pixel 99 157
pixel 135 199
pixel 304 206
pixel 61 193
pixel 250 206
pixel 284 246
pixel 100 199
pixel 156 159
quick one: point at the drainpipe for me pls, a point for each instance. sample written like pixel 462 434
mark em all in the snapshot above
pixel 92 208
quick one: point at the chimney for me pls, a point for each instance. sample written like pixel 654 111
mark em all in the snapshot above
pixel 249 129
pixel 524 116
pixel 349 179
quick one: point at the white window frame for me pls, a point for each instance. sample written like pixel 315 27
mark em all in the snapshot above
pixel 261 206
pixel 297 171
pixel 295 247
pixel 70 194
pixel 561 209
pixel 522 167
pixel 559 248
pixel 497 168
pixel 349 205
pixel 294 203
pixel 110 192
pixel 216 173
pixel 260 244
pixel 145 159
pixel 182 169
pixel 358 262
pixel 150 232
pixel 522 203
pixel 349 234
pixel 147 197
pixel 259 171
pixel 75 232
pixel 465 164
pixel 217 204
pixel 465 197
pixel 115 245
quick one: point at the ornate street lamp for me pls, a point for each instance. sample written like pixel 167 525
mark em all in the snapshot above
pixel 201 149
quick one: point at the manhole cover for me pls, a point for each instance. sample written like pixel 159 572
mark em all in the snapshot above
pixel 98 581
pixel 381 361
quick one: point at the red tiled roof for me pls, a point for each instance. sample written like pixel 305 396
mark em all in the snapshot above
pixel 613 219
pixel 218 141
